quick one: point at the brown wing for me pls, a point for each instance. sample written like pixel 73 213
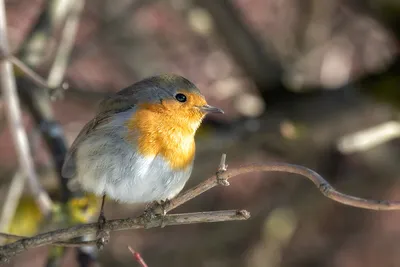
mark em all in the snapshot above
pixel 108 108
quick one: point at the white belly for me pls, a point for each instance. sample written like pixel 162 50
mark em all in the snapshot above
pixel 125 176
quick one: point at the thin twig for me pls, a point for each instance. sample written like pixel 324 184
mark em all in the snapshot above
pixel 16 188
pixel 137 257
pixel 15 120
pixel 36 78
pixel 11 236
pixel 65 44
pixel 140 222
pixel 60 244
pixel 314 177
pixel 11 202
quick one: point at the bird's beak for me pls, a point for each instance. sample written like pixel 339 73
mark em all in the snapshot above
pixel 210 109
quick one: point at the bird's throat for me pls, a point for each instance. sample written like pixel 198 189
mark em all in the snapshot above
pixel 168 135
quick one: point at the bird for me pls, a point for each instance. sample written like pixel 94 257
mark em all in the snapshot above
pixel 140 147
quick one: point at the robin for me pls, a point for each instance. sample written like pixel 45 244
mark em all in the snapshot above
pixel 140 147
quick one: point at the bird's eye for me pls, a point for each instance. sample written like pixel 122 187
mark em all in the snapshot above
pixel 180 97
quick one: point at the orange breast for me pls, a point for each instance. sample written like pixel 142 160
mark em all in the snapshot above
pixel 169 134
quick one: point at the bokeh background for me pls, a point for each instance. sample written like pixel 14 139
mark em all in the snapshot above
pixel 310 82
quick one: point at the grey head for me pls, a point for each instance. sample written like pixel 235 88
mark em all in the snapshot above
pixel 149 90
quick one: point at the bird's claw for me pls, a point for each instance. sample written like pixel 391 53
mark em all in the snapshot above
pixel 102 235
pixel 162 207
pixel 103 238
pixel 157 208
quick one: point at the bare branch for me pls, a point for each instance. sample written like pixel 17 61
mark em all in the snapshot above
pixel 11 202
pixel 14 117
pixel 72 244
pixel 54 83
pixel 317 179
pixel 141 222
pixel 16 189
pixel 60 244
pixel 65 44
pixel 36 78
pixel 11 236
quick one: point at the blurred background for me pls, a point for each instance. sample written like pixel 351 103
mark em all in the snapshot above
pixel 310 82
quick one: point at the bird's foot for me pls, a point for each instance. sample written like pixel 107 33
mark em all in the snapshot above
pixel 102 235
pixel 156 209
pixel 162 206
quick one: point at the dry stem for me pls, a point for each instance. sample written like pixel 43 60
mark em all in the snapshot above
pixel 15 120
pixel 140 222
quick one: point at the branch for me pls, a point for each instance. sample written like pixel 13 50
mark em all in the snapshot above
pixel 14 117
pixel 60 244
pixel 220 177
pixel 314 177
pixel 54 91
pixel 140 222
pixel 65 44
pixel 11 202
pixel 16 189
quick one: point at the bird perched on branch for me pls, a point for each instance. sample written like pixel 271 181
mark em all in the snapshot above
pixel 140 146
